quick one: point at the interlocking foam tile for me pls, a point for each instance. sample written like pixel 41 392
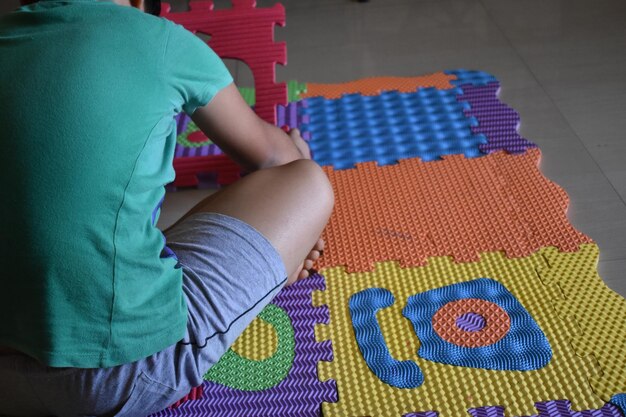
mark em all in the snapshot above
pixel 250 373
pixel 497 121
pixel 293 116
pixel 253 45
pixel 376 85
pixel 300 393
pixel 204 171
pixel 428 123
pixel 600 315
pixel 246 33
pixel 453 390
pixel 477 78
pixel 457 207
pixel 619 400
pixel 295 90
pixel 190 136
pixel 248 95
pixel 558 408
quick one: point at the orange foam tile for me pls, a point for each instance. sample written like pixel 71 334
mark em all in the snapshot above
pixel 455 207
pixel 375 85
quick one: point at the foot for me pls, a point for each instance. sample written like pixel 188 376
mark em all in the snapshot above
pixel 303 271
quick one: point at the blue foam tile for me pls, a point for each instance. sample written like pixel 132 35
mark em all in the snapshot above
pixel 427 124
pixel 475 78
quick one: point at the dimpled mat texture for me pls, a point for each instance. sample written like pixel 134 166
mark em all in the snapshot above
pixel 452 283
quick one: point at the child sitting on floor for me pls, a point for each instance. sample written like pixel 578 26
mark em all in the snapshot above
pixel 102 313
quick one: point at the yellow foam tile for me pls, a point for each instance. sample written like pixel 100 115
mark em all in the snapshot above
pixel 452 390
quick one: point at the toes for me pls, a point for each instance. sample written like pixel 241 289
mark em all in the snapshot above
pixel 303 274
pixel 314 255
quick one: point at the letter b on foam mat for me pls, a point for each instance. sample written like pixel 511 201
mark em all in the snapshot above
pixel 477 324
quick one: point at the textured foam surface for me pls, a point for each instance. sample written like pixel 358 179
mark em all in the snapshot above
pixel 300 393
pixel 452 390
pixel 190 136
pixel 511 339
pixel 558 408
pixel 248 374
pixel 619 400
pixel 293 116
pixel 457 207
pixel 253 45
pixel 495 120
pixel 385 119
pixel 376 85
pixel 403 239
pixel 256 47
pixel 427 123
pixel 475 78
pixel 363 308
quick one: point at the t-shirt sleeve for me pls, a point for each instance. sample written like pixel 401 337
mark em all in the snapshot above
pixel 194 72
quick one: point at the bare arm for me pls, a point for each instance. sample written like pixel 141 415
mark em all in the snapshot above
pixel 241 134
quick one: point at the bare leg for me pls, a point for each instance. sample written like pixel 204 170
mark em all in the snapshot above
pixel 289 205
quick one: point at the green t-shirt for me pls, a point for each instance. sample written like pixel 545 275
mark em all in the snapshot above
pixel 88 95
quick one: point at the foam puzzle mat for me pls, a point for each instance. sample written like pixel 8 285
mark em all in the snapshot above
pixel 452 283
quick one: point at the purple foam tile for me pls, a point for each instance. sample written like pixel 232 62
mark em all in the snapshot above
pixel 494 411
pixel 185 152
pixel 425 414
pixel 300 393
pixel 182 120
pixel 291 115
pixel 562 408
pixel 497 121
pixel 556 408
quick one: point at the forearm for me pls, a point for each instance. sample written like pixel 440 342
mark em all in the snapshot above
pixel 242 135
pixel 281 147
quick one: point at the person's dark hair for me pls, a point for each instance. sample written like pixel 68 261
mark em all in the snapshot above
pixel 153 7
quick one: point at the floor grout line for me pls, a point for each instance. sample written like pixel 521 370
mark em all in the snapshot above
pixel 552 101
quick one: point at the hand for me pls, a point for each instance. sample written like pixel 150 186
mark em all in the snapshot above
pixel 301 145
pixel 303 271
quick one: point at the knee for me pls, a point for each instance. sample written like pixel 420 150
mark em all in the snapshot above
pixel 312 178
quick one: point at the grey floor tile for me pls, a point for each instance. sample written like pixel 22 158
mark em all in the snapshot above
pixel 538 21
pixel 613 274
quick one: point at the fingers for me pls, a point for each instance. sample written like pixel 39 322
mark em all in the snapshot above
pixel 302 146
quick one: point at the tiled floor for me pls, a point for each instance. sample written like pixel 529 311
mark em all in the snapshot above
pixel 562 66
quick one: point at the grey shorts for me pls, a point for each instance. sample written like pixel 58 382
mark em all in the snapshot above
pixel 231 272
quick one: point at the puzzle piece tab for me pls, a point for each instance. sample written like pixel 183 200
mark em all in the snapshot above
pixel 300 392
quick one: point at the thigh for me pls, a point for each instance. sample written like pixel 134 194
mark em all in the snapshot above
pixel 289 205
pixel 230 273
